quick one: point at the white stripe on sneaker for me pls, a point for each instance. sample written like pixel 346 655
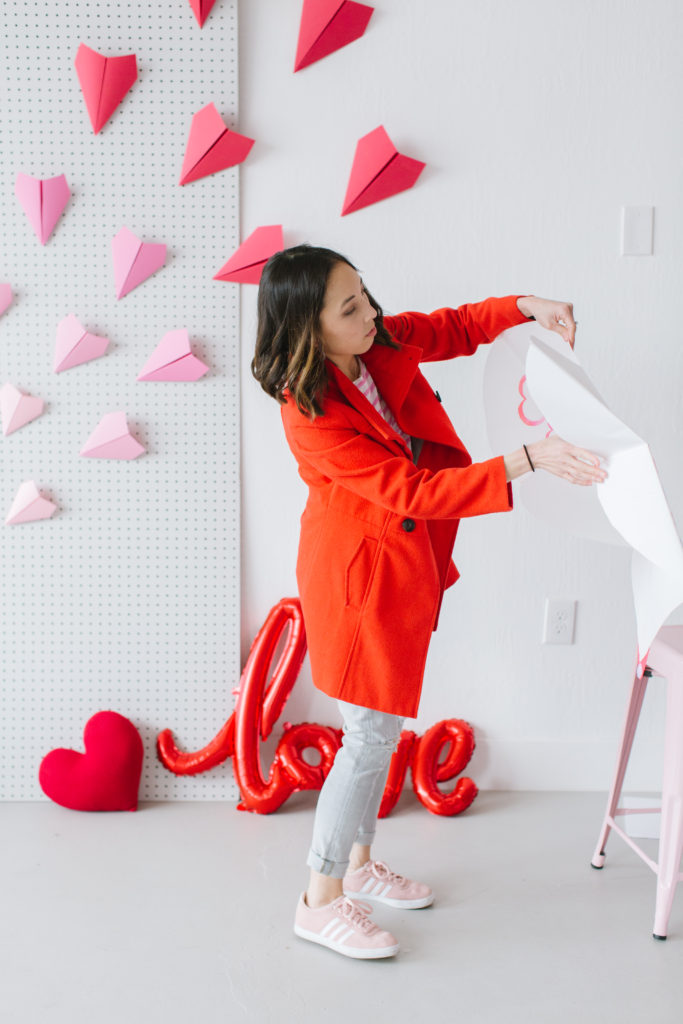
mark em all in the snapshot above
pixel 342 938
pixel 334 933
pixel 329 926
pixel 378 889
pixel 387 888
pixel 368 885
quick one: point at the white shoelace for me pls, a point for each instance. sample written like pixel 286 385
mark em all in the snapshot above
pixel 356 913
pixel 381 870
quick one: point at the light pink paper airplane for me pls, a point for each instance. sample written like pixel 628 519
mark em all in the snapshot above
pixel 104 82
pixel 246 264
pixel 378 171
pixel 75 345
pixel 111 439
pixel 5 297
pixel 202 9
pixel 326 26
pixel 29 505
pixel 134 261
pixel 43 200
pixel 211 146
pixel 17 409
pixel 173 359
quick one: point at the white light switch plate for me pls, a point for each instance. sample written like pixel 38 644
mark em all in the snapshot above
pixel 637 224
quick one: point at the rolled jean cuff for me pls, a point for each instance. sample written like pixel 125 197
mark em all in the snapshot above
pixel 331 868
pixel 365 838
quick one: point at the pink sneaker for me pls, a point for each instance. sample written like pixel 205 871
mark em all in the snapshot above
pixel 345 927
pixel 375 882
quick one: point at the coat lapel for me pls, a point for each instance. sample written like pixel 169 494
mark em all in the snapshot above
pixel 366 410
pixel 406 392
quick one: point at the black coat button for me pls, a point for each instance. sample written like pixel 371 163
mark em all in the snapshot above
pixel 438 396
pixel 408 525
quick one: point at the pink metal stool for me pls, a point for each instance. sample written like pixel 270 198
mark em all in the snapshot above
pixel 665 659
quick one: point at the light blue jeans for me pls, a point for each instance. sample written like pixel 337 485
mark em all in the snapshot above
pixel 352 792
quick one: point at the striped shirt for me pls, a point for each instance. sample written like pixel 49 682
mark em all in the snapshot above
pixel 367 387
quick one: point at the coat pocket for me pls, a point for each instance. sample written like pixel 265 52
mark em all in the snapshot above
pixel 359 573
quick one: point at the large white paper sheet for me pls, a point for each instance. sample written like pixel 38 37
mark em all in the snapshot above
pixel 629 507
pixel 513 420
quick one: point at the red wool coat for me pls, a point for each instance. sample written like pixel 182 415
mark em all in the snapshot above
pixel 378 529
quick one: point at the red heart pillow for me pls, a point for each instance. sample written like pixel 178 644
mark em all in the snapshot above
pixel 106 777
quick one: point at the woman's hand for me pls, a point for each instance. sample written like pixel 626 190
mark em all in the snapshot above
pixel 556 456
pixel 560 458
pixel 556 316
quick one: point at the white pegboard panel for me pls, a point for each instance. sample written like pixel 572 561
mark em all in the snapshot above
pixel 128 598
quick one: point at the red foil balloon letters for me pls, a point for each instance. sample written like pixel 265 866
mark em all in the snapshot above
pixel 438 756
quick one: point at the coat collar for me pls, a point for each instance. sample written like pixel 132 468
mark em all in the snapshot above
pixel 392 370
pixel 406 392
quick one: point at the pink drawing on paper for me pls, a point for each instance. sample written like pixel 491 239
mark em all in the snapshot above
pixel 526 409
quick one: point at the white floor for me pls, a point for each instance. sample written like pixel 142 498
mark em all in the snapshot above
pixel 183 912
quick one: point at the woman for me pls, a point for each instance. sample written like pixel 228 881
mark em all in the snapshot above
pixel 388 481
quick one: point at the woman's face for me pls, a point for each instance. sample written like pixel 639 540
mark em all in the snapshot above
pixel 347 320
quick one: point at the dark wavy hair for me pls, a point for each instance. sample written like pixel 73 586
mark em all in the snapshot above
pixel 289 350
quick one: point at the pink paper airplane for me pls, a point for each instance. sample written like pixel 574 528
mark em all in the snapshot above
pixel 111 439
pixel 75 345
pixel 17 409
pixel 378 171
pixel 29 505
pixel 134 261
pixel 246 264
pixel 5 297
pixel 43 200
pixel 202 9
pixel 211 146
pixel 326 26
pixel 104 82
pixel 173 359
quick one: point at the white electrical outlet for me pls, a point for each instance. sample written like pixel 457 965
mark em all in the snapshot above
pixel 558 627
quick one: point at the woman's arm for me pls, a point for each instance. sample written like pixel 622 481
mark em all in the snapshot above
pixel 369 469
pixel 447 333
pixel 372 471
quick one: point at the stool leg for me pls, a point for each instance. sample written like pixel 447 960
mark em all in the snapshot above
pixel 671 837
pixel 630 725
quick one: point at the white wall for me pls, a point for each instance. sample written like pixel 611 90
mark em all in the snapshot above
pixel 537 121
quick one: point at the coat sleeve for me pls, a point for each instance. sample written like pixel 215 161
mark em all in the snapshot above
pixel 447 333
pixel 367 468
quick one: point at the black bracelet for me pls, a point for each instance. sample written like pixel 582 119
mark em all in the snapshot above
pixel 533 470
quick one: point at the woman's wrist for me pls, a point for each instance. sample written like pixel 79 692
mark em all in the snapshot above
pixel 524 307
pixel 516 464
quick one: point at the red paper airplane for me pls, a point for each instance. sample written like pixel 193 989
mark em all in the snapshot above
pixel 246 264
pixel 202 9
pixel 326 26
pixel 378 171
pixel 211 146
pixel 104 82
